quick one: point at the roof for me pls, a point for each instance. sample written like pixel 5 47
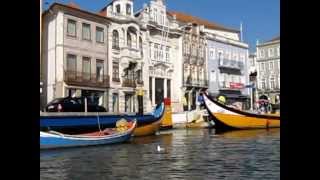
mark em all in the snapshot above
pixel 277 38
pixel 73 5
pixel 77 8
pixel 183 17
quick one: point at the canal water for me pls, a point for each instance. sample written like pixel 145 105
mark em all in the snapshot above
pixel 188 154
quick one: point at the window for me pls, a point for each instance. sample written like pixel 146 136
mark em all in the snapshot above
pixel 272 83
pixel 155 15
pixel 150 50
pixel 129 42
pixel 115 71
pixel 263 84
pixel 71 28
pixel 86 68
pixel 86 31
pixel 155 52
pixel 167 53
pixel 71 63
pixel 262 53
pixel 115 39
pixel 115 102
pixel 140 46
pixel 278 51
pixel 128 7
pixel 99 34
pixel 271 53
pixel 262 66
pixel 271 65
pixel 161 18
pixel 99 70
pixel 118 9
pixel 161 53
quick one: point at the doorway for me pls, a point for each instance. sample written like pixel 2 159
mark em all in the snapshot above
pixel 159 90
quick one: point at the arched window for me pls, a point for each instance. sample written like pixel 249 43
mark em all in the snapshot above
pixel 129 42
pixel 115 39
pixel 118 10
pixel 128 7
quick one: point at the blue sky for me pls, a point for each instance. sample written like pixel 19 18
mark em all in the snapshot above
pixel 260 18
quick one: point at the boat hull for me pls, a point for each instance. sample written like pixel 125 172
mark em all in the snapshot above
pixel 59 140
pixel 147 129
pixel 228 118
pixel 78 122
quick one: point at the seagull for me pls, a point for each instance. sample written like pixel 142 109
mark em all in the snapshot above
pixel 160 149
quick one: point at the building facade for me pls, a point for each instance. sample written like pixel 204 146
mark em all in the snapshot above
pixel 126 56
pixel 110 55
pixel 162 54
pixel 193 60
pixel 75 54
pixel 268 60
pixel 227 66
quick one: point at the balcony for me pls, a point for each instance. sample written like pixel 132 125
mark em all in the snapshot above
pixel 196 83
pixel 115 79
pixel 140 82
pixel 226 85
pixel 232 64
pixel 86 79
pixel 129 83
pixel 131 53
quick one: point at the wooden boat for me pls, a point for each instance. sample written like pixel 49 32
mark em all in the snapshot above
pixel 148 129
pixel 192 119
pixel 226 117
pixel 77 122
pixel 53 139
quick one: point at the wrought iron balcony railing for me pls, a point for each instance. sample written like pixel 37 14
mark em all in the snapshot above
pixel 129 83
pixel 86 79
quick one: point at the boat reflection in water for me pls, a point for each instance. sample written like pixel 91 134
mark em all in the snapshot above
pixel 248 134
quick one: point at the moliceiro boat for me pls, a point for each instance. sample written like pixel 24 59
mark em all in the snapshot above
pixel 147 124
pixel 226 117
pixel 122 133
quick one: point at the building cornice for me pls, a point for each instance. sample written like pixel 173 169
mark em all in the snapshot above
pixel 226 41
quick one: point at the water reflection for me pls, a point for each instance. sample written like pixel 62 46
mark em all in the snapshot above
pixel 190 154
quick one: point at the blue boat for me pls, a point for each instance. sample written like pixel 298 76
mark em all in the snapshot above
pixel 53 139
pixel 76 122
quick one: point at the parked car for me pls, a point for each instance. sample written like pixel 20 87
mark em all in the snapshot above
pixel 72 104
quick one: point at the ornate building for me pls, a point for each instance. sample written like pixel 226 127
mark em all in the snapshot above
pixel 162 38
pixel 126 55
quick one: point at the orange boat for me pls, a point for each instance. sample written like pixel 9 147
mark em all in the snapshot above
pixel 148 129
pixel 226 117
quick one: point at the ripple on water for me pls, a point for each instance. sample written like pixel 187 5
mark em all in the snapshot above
pixel 190 154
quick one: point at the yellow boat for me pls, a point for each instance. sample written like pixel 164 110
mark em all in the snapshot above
pixel 226 117
pixel 148 129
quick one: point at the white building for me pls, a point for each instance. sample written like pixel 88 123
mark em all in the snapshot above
pixel 268 59
pixel 127 44
pixel 163 53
